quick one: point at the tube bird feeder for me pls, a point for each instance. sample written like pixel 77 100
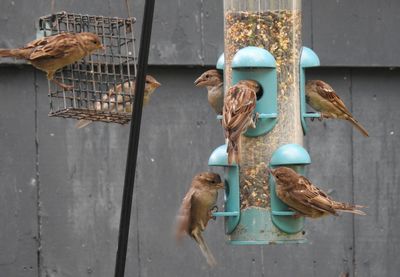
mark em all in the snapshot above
pixel 262 42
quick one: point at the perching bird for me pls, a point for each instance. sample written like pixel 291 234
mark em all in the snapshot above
pixel 238 113
pixel 196 210
pixel 212 80
pixel 302 196
pixel 322 98
pixel 108 100
pixel 49 54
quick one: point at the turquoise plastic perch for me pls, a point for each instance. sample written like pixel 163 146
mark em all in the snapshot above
pixel 258 64
pixel 219 157
pixel 295 157
pixel 308 59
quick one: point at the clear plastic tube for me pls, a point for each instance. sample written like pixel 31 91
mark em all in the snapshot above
pixel 274 25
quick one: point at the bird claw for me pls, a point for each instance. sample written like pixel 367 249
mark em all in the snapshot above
pixel 62 85
pixel 296 216
pixel 213 210
pixel 254 120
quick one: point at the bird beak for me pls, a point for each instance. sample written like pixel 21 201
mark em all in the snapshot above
pixel 157 84
pixel 103 48
pixel 198 81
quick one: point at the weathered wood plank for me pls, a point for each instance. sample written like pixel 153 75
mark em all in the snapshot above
pixel 376 172
pixel 343 33
pixel 82 178
pixel 18 186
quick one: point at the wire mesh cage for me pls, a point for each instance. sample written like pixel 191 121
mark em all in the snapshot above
pixel 97 93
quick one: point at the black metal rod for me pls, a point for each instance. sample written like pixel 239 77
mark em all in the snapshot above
pixel 134 140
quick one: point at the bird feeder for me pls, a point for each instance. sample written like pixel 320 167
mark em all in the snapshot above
pixel 258 64
pixel 221 62
pixel 308 59
pixel 295 157
pixel 219 157
pixel 99 74
pixel 271 31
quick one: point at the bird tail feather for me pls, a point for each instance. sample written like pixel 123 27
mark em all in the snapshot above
pixel 82 123
pixel 233 150
pixel 358 126
pixel 205 250
pixel 347 208
pixel 6 53
pixel 359 212
pixel 15 53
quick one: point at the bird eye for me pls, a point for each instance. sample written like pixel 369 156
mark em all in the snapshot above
pixel 207 76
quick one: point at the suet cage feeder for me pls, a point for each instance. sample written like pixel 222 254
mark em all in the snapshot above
pixel 262 42
pixel 95 77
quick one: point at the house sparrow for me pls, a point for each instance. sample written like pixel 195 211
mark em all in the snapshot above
pixel 124 104
pixel 322 98
pixel 212 80
pixel 49 54
pixel 239 105
pixel 301 195
pixel 196 210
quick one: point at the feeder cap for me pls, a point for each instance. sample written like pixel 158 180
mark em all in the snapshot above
pixel 308 58
pixel 290 154
pixel 221 62
pixel 219 157
pixel 252 56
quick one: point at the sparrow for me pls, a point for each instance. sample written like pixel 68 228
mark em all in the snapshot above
pixel 302 196
pixel 212 80
pixel 322 98
pixel 124 103
pixel 196 210
pixel 51 53
pixel 238 115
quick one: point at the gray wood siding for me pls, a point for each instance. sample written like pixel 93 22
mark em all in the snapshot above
pixel 343 33
pixel 78 177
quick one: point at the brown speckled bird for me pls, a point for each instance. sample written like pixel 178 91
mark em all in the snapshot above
pixel 212 80
pixel 322 98
pixel 238 112
pixel 196 210
pixel 109 101
pixel 302 196
pixel 49 54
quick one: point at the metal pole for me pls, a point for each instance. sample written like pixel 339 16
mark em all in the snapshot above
pixel 134 140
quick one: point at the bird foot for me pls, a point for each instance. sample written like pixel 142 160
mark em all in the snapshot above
pixel 296 216
pixel 62 85
pixel 254 120
pixel 213 210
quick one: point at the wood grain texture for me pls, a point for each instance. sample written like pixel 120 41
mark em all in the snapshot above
pixel 82 171
pixel 376 172
pixel 343 33
pixel 19 183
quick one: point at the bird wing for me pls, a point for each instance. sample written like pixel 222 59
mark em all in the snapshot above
pixel 184 215
pixel 309 195
pixel 327 92
pixel 56 46
pixel 239 105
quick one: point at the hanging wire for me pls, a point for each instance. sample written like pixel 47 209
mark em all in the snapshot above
pixel 127 8
pixel 53 4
